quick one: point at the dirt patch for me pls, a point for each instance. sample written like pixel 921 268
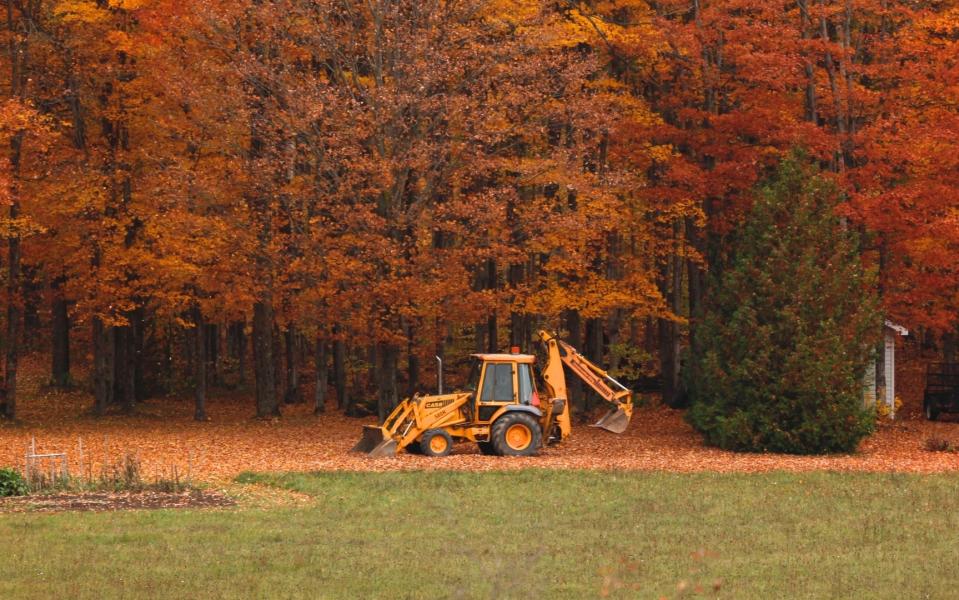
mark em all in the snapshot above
pixel 103 502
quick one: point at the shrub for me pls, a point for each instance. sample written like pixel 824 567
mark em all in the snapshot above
pixel 938 444
pixel 12 483
pixel 790 323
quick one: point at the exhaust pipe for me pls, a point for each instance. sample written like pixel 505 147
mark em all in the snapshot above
pixel 439 375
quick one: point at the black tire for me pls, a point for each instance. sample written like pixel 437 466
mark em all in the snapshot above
pixel 929 409
pixel 505 440
pixel 431 440
pixel 486 448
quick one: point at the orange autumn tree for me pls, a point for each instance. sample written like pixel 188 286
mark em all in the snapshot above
pixel 745 81
pixel 370 185
pixel 458 171
pixel 907 186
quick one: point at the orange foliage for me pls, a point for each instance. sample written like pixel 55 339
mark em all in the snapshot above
pixel 361 168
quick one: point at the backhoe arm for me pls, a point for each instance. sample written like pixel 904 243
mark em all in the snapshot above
pixel 560 353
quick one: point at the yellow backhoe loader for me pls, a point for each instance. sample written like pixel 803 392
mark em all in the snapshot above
pixel 500 408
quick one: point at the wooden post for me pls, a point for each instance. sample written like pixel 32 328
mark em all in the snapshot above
pixel 890 371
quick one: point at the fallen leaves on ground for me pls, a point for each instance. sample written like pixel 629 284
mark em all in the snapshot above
pixel 169 443
pixel 166 440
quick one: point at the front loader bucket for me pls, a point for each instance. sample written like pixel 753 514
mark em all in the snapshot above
pixel 375 442
pixel 616 420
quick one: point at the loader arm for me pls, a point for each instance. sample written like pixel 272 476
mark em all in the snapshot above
pixel 409 420
pixel 560 353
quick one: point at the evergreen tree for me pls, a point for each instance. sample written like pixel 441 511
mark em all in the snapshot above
pixel 790 327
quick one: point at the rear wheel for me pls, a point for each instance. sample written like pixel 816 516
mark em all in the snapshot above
pixel 436 442
pixel 516 434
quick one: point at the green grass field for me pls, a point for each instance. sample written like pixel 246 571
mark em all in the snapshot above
pixel 527 534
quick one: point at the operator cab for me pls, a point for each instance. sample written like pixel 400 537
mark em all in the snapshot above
pixel 500 379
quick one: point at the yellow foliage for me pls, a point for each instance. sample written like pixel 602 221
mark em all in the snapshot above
pixel 120 40
pixel 883 414
pixel 80 11
pixel 130 4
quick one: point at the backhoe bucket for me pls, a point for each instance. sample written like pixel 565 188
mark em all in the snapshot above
pixel 615 420
pixel 375 442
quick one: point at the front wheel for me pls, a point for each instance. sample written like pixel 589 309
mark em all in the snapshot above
pixel 436 442
pixel 516 434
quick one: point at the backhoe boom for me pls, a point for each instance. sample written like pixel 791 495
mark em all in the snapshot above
pixel 560 353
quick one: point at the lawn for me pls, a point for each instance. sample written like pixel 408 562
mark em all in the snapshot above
pixel 521 534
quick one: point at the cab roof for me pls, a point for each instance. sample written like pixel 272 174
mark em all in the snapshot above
pixel 518 358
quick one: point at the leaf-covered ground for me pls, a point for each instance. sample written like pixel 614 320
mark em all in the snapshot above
pixel 164 437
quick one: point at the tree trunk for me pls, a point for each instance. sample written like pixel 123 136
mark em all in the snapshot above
pixel 119 362
pixel 14 299
pixel 668 359
pixel 412 362
pixel 212 332
pixel 492 333
pixel 166 366
pixel 339 374
pixel 492 330
pixel 263 364
pixel 16 45
pixel 125 366
pixel 103 368
pixel 593 351
pixel 574 324
pixel 594 340
pixel 479 337
pixel 696 279
pixel 680 399
pixel 140 391
pixel 949 347
pixel 241 351
pixel 517 322
pixel 669 336
pixel 60 324
pixel 387 357
pixel 831 71
pixel 279 374
pixel 479 327
pixel 199 335
pixel 373 360
pixel 14 314
pixel 292 394
pixel 321 375
pixel 806 34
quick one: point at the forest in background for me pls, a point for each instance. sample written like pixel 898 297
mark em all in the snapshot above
pixel 247 191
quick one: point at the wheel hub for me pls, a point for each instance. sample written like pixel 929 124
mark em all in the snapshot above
pixel 518 436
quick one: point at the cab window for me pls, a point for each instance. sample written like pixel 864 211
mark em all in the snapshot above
pixel 498 383
pixel 525 377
